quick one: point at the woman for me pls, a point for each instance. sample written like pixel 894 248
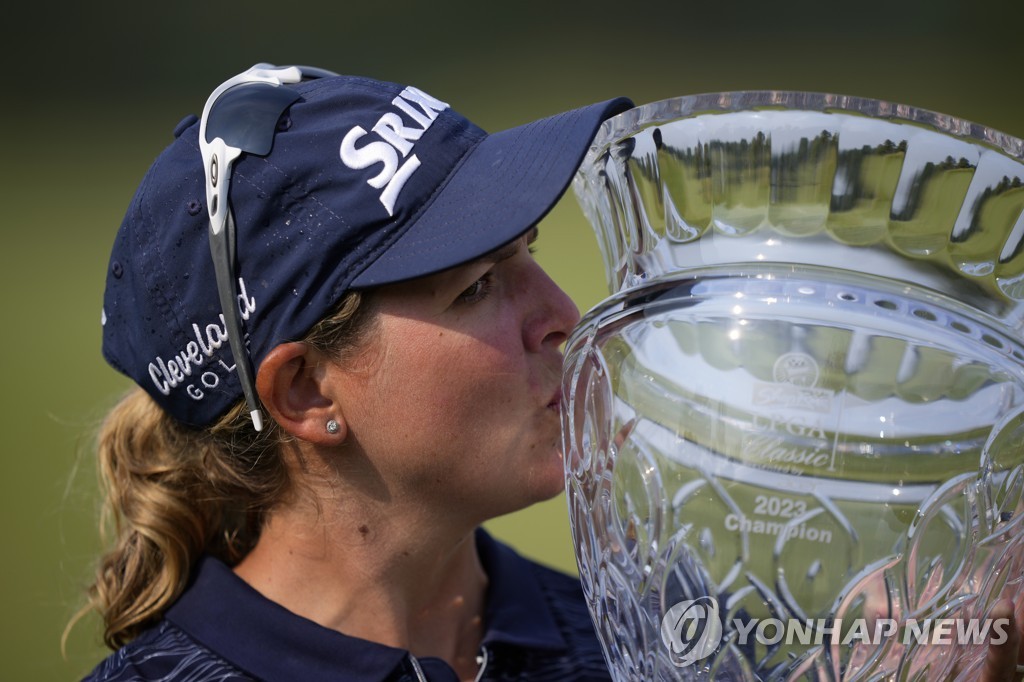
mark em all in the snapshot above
pixel 407 366
pixel 366 369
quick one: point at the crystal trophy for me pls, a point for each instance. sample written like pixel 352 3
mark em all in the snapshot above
pixel 794 432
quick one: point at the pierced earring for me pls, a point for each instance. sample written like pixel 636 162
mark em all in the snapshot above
pixel 332 426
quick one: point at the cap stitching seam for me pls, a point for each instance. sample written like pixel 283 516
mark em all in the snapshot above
pixel 160 273
pixel 286 191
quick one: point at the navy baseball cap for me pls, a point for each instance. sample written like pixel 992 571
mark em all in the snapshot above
pixel 366 183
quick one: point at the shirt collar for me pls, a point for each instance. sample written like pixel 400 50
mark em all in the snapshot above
pixel 517 612
pixel 225 614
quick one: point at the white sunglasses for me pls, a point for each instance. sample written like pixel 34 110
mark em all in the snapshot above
pixel 241 115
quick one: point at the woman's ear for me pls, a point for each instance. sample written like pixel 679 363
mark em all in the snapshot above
pixel 290 383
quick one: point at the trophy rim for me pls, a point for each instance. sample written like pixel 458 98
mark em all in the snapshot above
pixel 994 288
pixel 664 111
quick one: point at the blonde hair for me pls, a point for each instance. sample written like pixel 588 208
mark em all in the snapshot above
pixel 173 493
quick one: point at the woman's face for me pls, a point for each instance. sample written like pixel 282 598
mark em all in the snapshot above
pixel 456 400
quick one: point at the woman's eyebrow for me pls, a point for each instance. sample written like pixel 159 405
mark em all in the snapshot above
pixel 508 250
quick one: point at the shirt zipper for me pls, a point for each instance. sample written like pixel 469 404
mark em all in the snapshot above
pixel 482 661
pixel 416 667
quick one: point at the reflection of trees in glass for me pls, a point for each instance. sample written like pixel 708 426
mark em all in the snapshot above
pixel 676 183
pixel 859 170
pixel 996 206
pixel 802 164
pixel 927 174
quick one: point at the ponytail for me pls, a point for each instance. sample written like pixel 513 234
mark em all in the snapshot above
pixel 172 494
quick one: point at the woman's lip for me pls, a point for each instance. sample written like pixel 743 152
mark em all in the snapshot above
pixel 556 400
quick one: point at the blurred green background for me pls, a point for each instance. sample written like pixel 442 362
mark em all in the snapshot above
pixel 94 91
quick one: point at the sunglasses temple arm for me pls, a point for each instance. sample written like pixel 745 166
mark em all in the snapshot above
pixel 222 250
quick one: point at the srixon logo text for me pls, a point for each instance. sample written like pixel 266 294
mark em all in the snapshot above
pixel 393 140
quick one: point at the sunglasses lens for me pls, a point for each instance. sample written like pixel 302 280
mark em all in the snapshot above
pixel 246 116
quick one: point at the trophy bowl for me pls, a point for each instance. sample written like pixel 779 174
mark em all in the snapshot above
pixel 794 432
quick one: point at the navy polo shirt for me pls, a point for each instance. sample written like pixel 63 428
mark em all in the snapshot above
pixel 537 628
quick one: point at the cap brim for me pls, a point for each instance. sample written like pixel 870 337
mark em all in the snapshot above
pixel 506 185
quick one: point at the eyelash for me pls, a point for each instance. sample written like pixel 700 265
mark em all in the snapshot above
pixel 486 284
pixel 474 293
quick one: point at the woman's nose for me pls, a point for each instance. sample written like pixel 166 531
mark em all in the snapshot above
pixel 552 314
